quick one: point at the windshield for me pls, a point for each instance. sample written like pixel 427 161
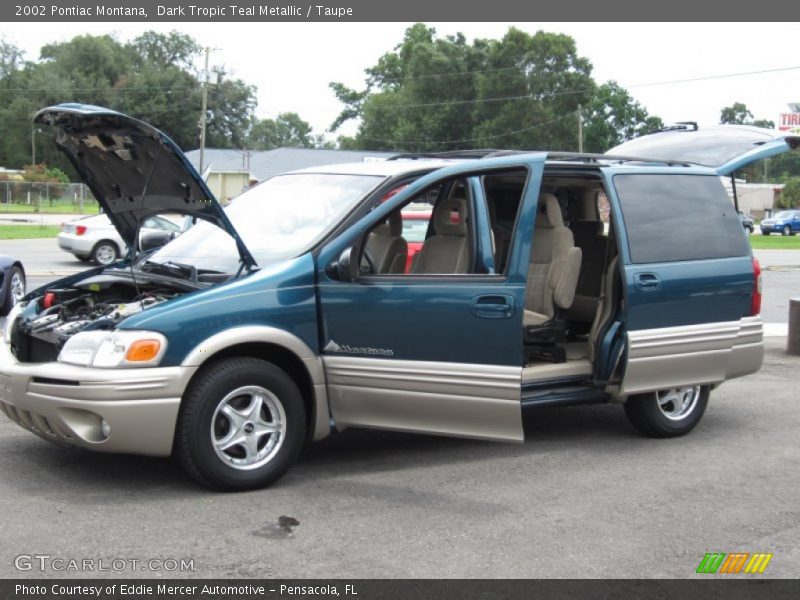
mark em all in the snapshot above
pixel 784 214
pixel 278 219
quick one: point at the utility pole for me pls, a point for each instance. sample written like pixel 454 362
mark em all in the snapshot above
pixel 203 113
pixel 580 129
pixel 33 144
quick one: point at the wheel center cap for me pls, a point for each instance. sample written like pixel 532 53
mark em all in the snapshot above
pixel 249 428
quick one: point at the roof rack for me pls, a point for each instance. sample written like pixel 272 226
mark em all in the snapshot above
pixel 596 158
pixel 679 126
pixel 556 156
pixel 482 153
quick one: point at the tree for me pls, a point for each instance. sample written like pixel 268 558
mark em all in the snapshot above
pixel 612 116
pixel 521 91
pixel 738 114
pixel 287 130
pixel 790 195
pixel 152 78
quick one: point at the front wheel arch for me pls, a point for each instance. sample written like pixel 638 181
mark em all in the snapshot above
pixel 284 359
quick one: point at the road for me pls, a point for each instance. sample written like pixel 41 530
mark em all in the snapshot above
pixel 584 496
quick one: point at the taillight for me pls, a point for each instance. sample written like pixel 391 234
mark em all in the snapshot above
pixel 80 229
pixel 755 302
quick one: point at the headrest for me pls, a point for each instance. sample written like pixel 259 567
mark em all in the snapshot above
pixel 585 230
pixel 549 212
pixel 392 226
pixel 450 216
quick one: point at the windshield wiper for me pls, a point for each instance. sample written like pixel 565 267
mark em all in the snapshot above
pixel 171 268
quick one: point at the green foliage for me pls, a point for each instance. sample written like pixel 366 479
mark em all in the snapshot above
pixel 522 91
pixel 612 117
pixel 739 114
pixel 152 78
pixel 41 173
pixel 286 130
pixel 790 195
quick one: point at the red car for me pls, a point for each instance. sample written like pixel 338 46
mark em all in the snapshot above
pixel 415 226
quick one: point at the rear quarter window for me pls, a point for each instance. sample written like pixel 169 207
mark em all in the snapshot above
pixel 672 218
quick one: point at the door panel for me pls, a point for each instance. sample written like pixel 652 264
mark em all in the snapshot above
pixel 686 317
pixel 428 353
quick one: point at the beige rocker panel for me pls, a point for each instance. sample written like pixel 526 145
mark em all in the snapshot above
pixel 464 400
pixel 693 354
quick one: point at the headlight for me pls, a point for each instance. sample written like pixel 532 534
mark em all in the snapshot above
pixel 114 349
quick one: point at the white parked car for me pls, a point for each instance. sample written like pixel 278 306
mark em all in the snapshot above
pixel 95 238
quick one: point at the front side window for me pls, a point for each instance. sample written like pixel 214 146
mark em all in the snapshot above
pixel 432 234
pixel 678 217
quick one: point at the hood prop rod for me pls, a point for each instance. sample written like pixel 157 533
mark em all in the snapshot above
pixel 135 241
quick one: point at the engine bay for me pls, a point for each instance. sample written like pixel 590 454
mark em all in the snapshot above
pixel 97 302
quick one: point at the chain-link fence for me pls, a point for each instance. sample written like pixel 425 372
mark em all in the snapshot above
pixel 25 197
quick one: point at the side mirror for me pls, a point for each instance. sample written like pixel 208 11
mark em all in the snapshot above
pixel 155 239
pixel 346 268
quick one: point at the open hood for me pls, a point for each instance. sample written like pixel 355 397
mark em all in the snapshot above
pixel 133 169
pixel 724 148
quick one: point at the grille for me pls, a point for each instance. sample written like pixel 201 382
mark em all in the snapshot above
pixel 34 422
pixel 29 349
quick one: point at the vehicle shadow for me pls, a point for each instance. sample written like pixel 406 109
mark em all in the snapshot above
pixel 35 465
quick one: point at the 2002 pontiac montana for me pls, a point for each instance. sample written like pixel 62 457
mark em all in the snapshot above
pixel 543 279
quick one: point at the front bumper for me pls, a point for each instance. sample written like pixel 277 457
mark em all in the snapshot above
pixel 66 403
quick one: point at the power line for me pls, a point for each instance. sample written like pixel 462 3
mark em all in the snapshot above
pixel 477 139
pixel 542 95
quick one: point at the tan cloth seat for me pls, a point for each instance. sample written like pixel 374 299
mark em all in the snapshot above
pixel 448 251
pixel 386 245
pixel 554 265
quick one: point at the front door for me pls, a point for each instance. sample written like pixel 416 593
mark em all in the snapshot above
pixel 437 349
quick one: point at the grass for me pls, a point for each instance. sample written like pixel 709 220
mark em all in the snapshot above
pixel 775 242
pixel 26 232
pixel 90 208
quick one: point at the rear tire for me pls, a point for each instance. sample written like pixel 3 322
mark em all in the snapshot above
pixel 667 413
pixel 242 424
pixel 787 230
pixel 104 252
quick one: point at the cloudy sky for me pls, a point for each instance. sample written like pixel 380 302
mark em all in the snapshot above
pixel 292 63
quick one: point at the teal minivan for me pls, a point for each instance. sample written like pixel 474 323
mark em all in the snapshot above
pixel 544 279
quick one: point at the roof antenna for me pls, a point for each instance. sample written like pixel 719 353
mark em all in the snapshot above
pixel 132 251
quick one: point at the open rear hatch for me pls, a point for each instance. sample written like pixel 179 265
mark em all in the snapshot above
pixel 724 148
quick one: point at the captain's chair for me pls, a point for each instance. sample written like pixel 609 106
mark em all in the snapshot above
pixel 386 246
pixel 448 251
pixel 552 278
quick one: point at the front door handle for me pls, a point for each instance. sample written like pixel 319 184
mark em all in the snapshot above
pixel 494 306
pixel 647 282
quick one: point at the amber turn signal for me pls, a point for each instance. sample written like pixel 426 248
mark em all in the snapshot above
pixel 143 350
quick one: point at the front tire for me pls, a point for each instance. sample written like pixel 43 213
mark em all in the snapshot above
pixel 242 424
pixel 15 290
pixel 787 230
pixel 667 413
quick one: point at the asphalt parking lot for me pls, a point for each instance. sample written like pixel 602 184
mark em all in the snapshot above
pixel 584 496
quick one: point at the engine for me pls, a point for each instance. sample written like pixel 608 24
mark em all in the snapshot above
pixel 98 302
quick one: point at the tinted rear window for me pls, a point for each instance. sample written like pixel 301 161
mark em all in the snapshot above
pixel 679 217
